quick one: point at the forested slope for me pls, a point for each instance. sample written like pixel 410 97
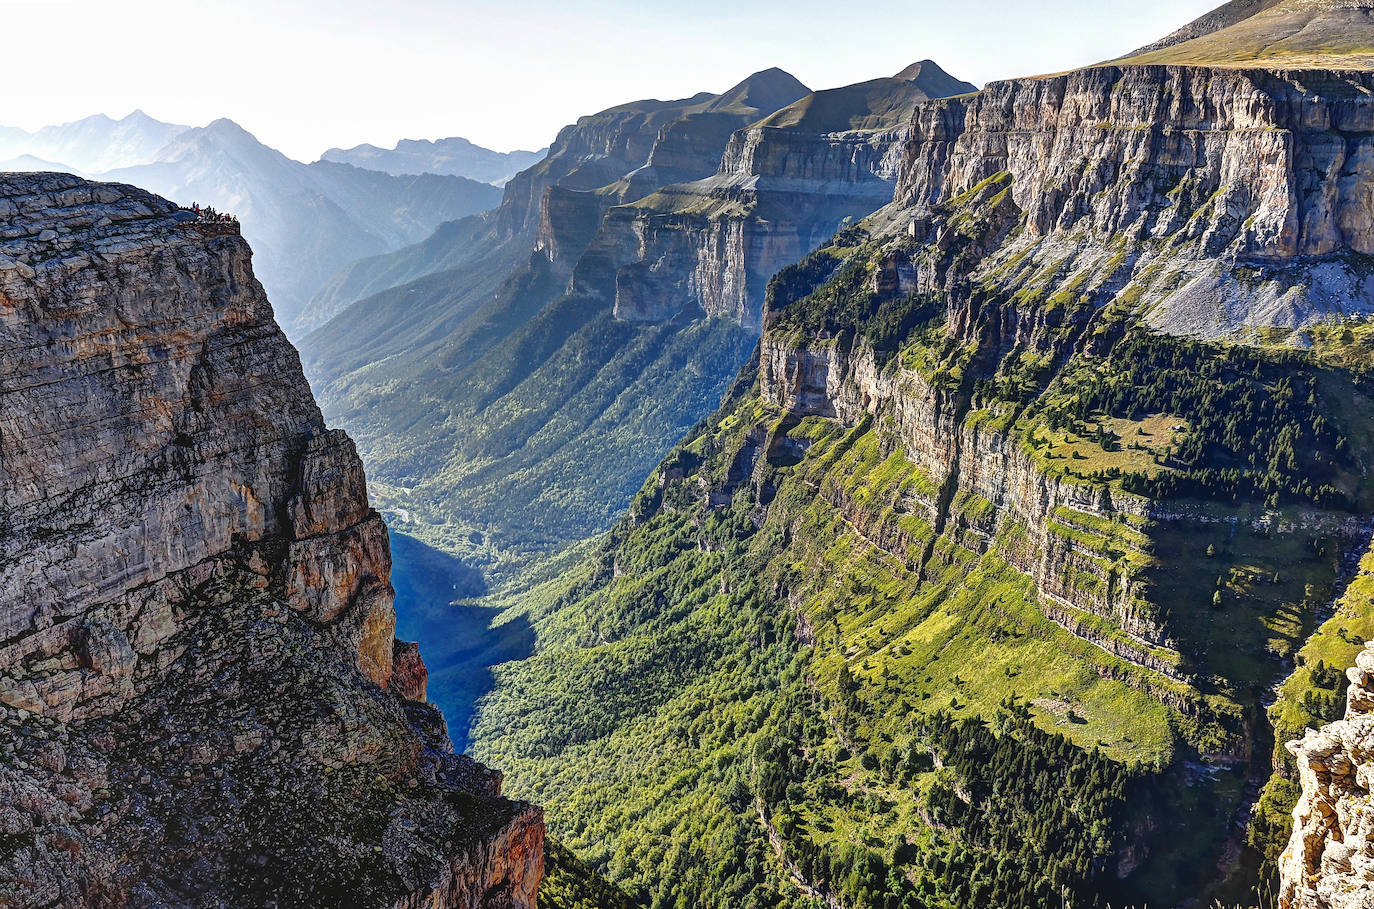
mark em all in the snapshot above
pixel 974 590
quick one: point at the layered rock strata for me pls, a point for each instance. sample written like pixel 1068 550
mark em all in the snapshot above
pixel 1210 202
pixel 969 457
pixel 784 186
pixel 1231 199
pixel 203 702
pixel 627 152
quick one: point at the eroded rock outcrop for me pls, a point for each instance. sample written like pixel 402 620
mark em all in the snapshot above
pixel 196 617
pixel 1329 862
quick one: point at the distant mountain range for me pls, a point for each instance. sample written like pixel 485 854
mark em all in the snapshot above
pixel 455 156
pixel 89 146
pixel 306 222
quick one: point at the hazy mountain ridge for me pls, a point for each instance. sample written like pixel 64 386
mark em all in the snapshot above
pixel 454 156
pixel 94 144
pixel 305 221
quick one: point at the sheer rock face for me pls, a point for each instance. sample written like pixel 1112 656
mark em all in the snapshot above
pixel 712 245
pixel 785 185
pixel 1247 190
pixel 1213 202
pixel 1281 160
pixel 1329 862
pixel 625 153
pixel 196 619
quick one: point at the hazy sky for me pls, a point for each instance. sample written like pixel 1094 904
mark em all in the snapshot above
pixel 304 76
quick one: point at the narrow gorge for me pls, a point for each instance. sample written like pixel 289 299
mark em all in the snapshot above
pixel 905 495
pixel 554 349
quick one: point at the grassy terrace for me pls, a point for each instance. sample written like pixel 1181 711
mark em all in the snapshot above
pixel 912 633
pixel 1111 446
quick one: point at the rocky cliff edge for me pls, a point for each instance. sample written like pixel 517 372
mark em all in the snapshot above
pixel 201 699
pixel 1329 862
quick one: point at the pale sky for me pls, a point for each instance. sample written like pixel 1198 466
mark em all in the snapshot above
pixel 305 75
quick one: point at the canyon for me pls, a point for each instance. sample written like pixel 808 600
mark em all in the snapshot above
pixel 1067 438
pixel 898 495
pixel 556 347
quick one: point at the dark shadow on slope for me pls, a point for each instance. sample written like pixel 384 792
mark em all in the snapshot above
pixel 457 641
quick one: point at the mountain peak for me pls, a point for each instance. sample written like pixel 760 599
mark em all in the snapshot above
pixel 914 71
pixel 225 125
pixel 933 80
pixel 93 119
pixel 766 91
pixel 876 104
pixel 226 130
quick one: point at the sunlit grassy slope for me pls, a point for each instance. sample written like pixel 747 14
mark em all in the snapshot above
pixel 1289 34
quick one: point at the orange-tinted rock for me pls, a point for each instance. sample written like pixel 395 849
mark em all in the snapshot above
pixel 409 677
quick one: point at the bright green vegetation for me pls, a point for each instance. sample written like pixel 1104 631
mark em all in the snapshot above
pixel 693 711
pixel 689 719
pixel 962 646
pixel 570 884
pixel 1112 446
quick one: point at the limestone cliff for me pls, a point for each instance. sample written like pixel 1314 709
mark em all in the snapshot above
pixel 785 185
pixel 1041 217
pixel 1230 199
pixel 203 703
pixel 1329 862
pixel 627 152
